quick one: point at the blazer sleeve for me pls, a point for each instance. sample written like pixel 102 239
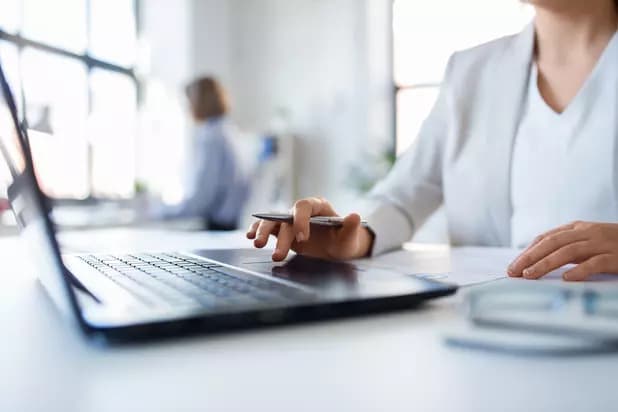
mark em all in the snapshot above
pixel 412 191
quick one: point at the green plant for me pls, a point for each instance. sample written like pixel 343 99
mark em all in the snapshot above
pixel 370 169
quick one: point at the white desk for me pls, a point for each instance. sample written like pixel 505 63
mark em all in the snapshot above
pixel 392 362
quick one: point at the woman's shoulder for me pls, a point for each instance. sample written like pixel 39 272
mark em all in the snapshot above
pixel 488 49
pixel 215 129
pixel 481 61
pixel 492 52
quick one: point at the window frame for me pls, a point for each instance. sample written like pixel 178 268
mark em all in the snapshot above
pixel 527 14
pixel 90 62
pixel 398 88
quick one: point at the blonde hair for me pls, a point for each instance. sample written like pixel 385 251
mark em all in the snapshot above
pixel 207 98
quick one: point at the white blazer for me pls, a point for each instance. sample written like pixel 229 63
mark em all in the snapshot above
pixel 462 156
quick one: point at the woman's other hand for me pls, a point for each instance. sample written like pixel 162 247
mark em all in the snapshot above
pixel 349 241
pixel 592 246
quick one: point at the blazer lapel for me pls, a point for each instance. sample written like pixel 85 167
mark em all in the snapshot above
pixel 507 100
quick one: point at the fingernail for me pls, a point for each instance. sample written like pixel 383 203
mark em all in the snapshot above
pixel 300 237
pixel 528 272
pixel 567 276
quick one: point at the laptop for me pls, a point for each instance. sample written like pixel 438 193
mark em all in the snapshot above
pixel 132 296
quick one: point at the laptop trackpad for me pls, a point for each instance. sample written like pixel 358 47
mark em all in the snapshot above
pixel 309 271
pixel 319 274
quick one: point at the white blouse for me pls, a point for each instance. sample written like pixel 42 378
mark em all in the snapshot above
pixel 563 165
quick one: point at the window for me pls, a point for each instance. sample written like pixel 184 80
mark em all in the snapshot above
pixel 112 31
pixel 9 56
pixel 57 111
pixel 59 23
pixel 10 16
pixel 72 63
pixel 425 34
pixel 112 123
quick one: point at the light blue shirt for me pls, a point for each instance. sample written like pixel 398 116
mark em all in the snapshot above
pixel 216 186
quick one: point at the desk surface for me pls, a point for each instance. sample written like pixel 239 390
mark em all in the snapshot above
pixel 386 362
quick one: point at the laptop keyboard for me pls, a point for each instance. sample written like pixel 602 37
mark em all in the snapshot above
pixel 182 280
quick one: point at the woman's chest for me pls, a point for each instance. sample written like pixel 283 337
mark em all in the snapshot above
pixel 564 174
pixel 566 163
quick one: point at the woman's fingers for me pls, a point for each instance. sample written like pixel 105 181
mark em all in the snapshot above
pixel 536 241
pixel 252 231
pixel 542 236
pixel 327 242
pixel 284 242
pixel 596 264
pixel 264 230
pixel 545 247
pixel 515 269
pixel 303 210
pixel 565 255
pixel 592 246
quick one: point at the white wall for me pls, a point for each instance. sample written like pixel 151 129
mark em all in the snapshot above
pixel 166 26
pixel 211 38
pixel 325 62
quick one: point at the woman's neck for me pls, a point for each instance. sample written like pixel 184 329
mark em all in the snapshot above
pixel 576 31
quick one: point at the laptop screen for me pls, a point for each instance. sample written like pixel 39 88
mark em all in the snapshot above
pixel 20 190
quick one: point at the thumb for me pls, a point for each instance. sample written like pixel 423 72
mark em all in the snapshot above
pixel 349 228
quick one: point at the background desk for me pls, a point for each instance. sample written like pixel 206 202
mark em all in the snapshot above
pixel 392 362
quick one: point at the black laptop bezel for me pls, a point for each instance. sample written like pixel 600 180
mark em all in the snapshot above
pixel 40 204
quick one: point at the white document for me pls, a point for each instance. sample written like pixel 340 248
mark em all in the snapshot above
pixel 462 266
pixel 465 266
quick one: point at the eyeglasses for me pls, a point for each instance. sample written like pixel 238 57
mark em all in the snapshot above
pixel 543 298
pixel 537 310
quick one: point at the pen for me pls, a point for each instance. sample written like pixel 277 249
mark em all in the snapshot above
pixel 332 221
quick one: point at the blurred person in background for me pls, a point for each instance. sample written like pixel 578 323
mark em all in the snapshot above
pixel 521 148
pixel 216 183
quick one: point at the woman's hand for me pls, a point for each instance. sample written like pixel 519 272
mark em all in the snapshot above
pixel 592 246
pixel 346 242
